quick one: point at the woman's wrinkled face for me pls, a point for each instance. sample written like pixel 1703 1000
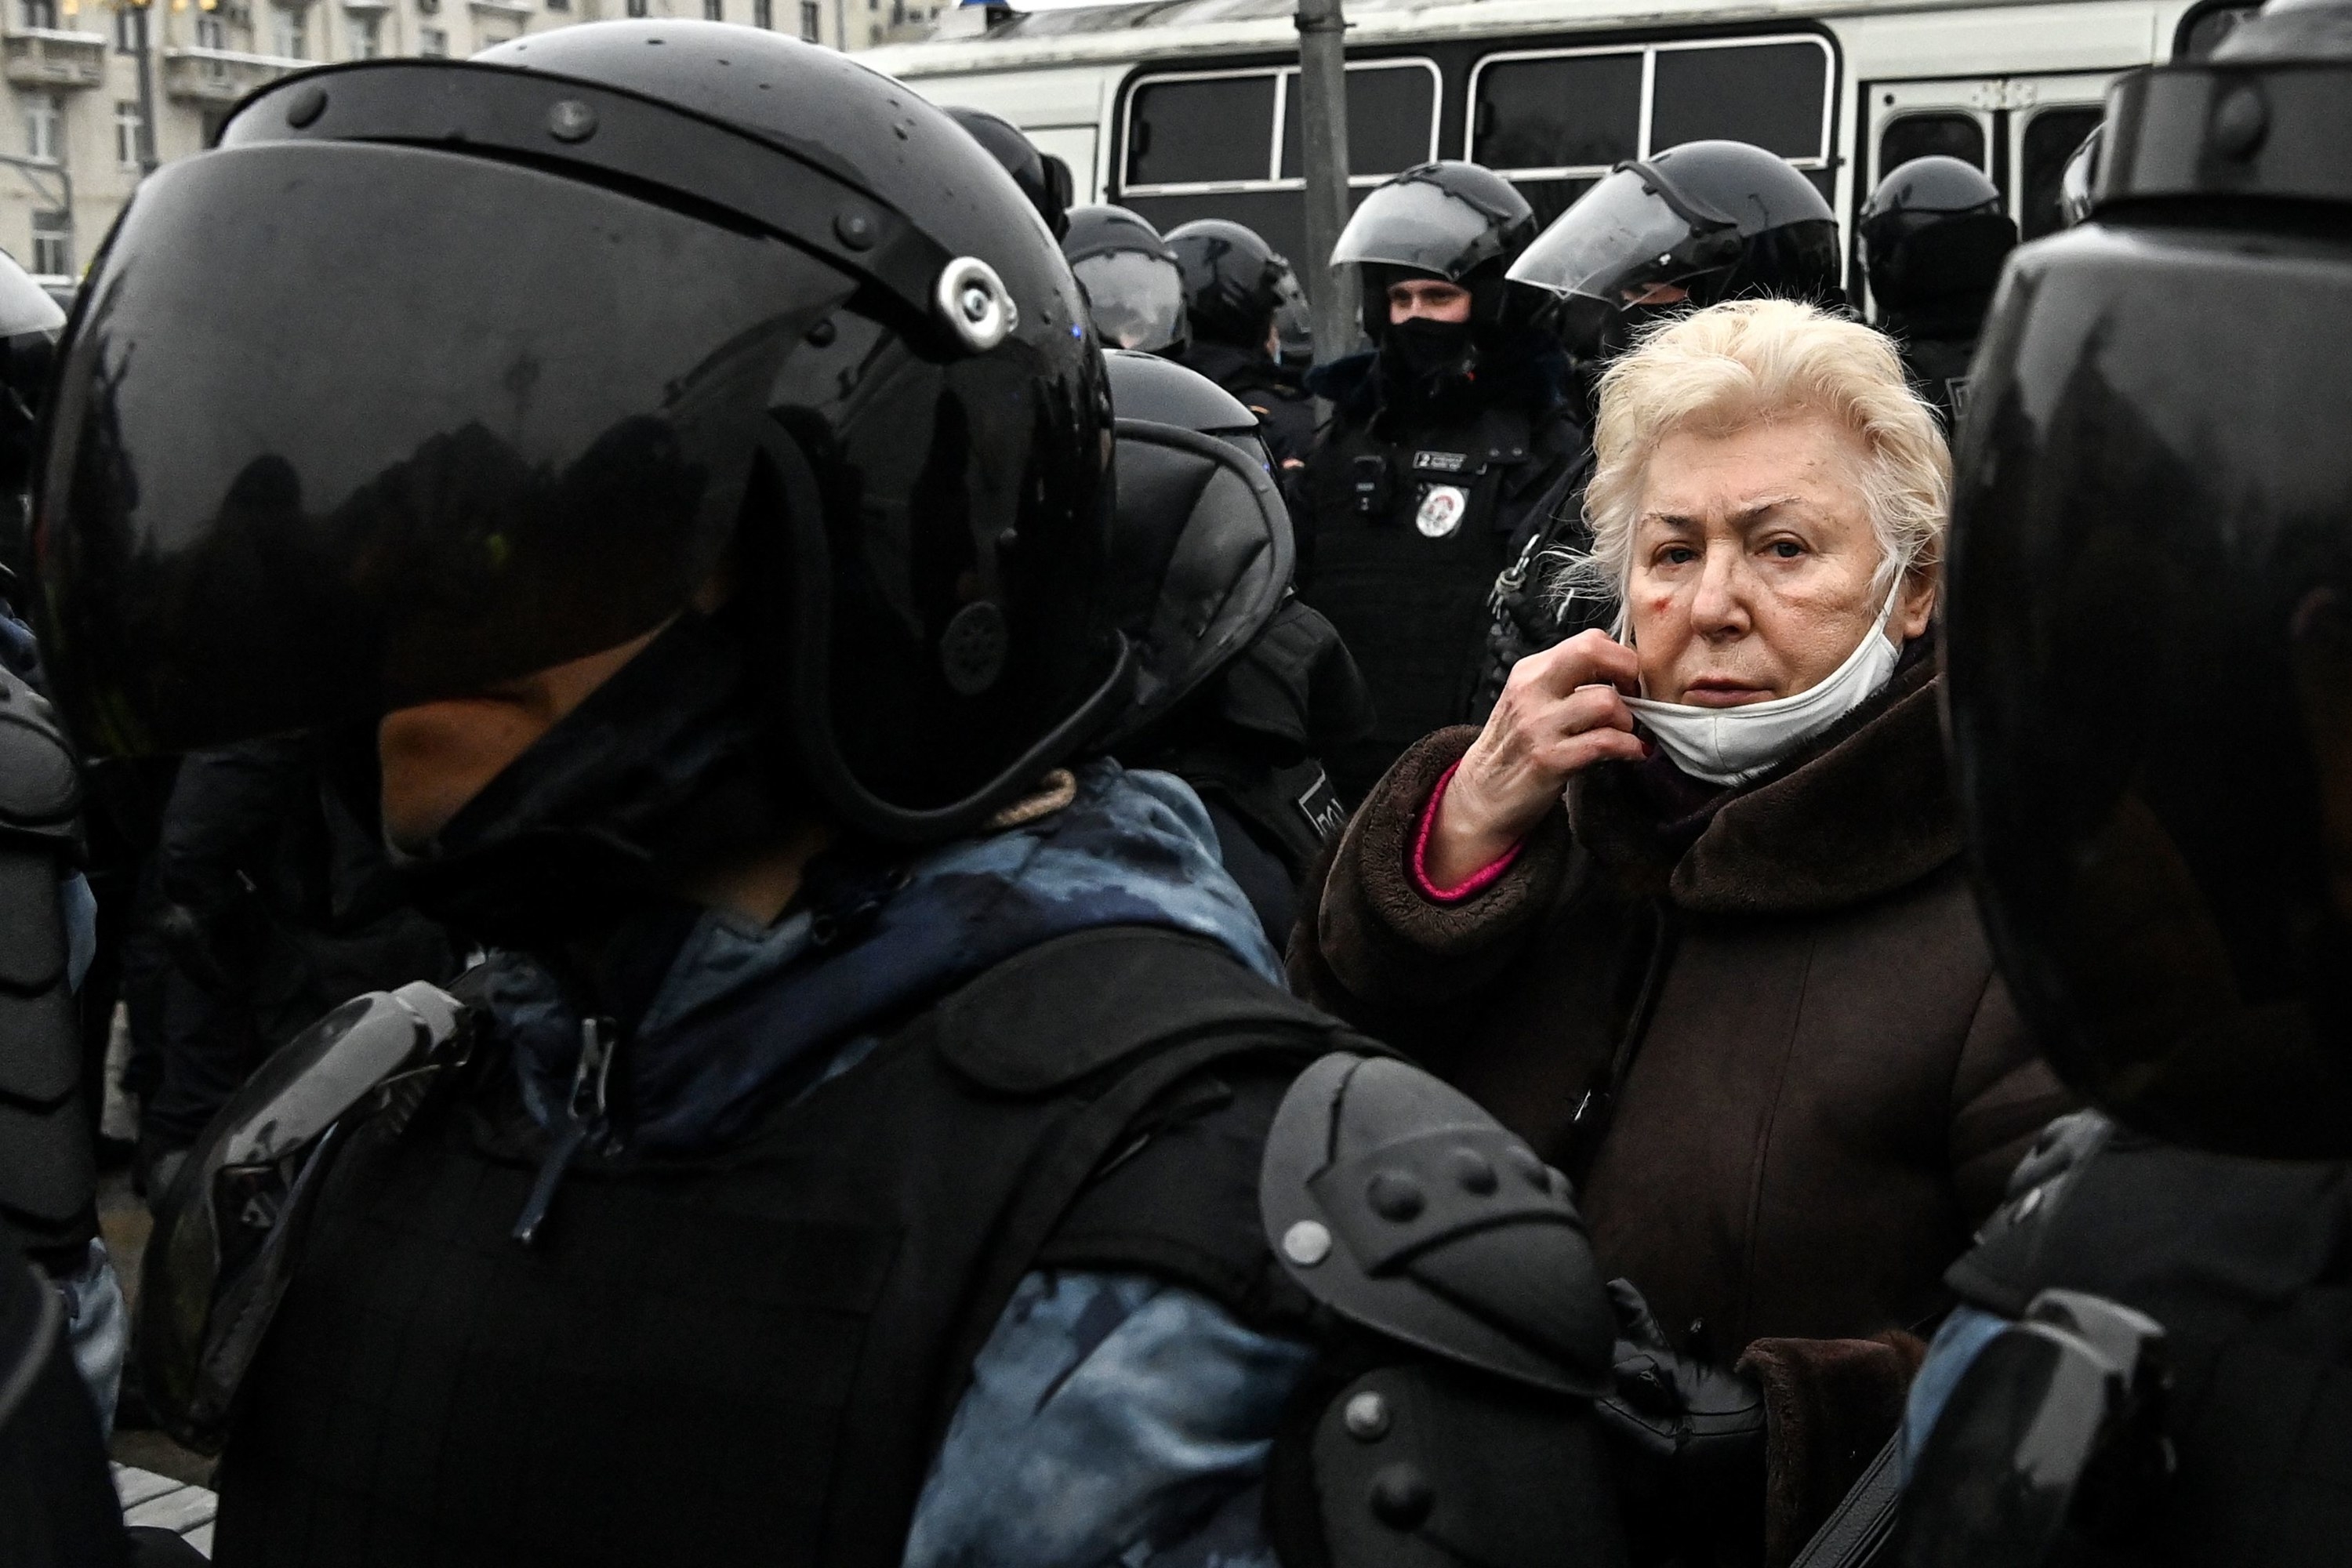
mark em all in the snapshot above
pixel 1753 557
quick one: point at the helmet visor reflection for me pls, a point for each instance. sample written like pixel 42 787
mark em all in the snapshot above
pixel 344 427
pixel 1136 301
pixel 1417 223
pixel 1618 239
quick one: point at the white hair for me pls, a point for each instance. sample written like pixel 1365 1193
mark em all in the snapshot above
pixel 1745 362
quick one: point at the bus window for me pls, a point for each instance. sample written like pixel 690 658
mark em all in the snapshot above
pixel 1550 116
pixel 1392 119
pixel 1775 95
pixel 2051 138
pixel 1913 136
pixel 1201 130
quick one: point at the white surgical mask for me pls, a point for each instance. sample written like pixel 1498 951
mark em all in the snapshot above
pixel 1727 745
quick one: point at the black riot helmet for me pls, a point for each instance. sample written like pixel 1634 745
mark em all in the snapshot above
pixel 30 323
pixel 1933 237
pixel 1202 550
pixel 2149 637
pixel 1043 178
pixel 1294 321
pixel 1233 281
pixel 1450 220
pixel 1717 220
pixel 1134 293
pixel 534 347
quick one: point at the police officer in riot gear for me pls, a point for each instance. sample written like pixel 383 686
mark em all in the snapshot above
pixel 852 1149
pixel 1233 293
pixel 1695 225
pixel 1444 441
pixel 1933 237
pixel 1243 687
pixel 2150 1362
pixel 1135 295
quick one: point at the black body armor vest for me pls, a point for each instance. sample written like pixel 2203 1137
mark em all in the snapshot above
pixel 2242 1263
pixel 750 1355
pixel 1937 369
pixel 1409 531
pixel 48 1179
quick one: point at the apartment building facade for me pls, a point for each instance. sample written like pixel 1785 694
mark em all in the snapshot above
pixel 84 79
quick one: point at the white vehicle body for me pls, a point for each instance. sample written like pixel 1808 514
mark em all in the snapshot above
pixel 1184 108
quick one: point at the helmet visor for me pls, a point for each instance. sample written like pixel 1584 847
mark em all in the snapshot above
pixel 1136 301
pixel 1419 225
pixel 1618 240
pixel 456 421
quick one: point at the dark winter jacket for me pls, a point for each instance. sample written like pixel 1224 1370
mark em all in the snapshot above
pixel 1826 1085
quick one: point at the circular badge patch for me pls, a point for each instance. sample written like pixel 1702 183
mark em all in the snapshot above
pixel 1441 506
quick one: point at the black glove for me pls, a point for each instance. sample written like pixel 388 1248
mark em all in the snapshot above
pixel 1689 1433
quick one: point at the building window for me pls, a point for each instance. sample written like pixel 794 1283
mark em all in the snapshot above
pixel 809 21
pixel 53 243
pixel 290 32
pixel 126 132
pixel 636 7
pixel 763 12
pixel 44 121
pixel 126 29
pixel 714 10
pixel 40 13
pixel 559 4
pixel 212 33
pixel 432 41
pixel 367 37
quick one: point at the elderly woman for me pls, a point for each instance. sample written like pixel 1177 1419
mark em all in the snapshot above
pixel 1688 913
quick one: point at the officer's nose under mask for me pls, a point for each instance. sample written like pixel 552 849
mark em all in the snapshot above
pixel 1731 745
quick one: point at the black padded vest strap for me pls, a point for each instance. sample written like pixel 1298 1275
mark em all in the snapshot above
pixel 749 1356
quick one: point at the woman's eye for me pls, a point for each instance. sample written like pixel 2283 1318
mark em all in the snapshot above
pixel 1677 555
pixel 1785 549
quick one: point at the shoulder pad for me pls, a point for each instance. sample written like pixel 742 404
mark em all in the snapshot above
pixel 227 1234
pixel 1998 1272
pixel 1071 1006
pixel 1400 1203
pixel 40 786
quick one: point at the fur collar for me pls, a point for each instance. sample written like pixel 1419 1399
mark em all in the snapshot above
pixel 1865 810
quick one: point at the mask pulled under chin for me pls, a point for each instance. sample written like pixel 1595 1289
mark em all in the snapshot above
pixel 1731 745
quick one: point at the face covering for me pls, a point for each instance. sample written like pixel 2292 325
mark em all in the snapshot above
pixel 1727 745
pixel 1424 349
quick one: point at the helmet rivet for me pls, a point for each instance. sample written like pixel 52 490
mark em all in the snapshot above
pixel 2241 120
pixel 1401 1497
pixel 975 304
pixel 1474 1171
pixel 570 121
pixel 1395 1197
pixel 973 649
pixel 1367 1415
pixel 308 105
pixel 1307 1244
pixel 855 228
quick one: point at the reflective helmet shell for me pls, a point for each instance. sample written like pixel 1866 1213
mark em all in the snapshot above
pixel 1934 230
pixel 1135 294
pixel 1043 178
pixel 1720 220
pixel 1232 280
pixel 878 394
pixel 2152 526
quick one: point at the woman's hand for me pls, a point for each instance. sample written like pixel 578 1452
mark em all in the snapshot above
pixel 1561 711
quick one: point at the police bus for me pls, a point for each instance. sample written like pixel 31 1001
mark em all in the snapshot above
pixel 1189 109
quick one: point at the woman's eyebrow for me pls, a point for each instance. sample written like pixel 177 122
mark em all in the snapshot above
pixel 1746 516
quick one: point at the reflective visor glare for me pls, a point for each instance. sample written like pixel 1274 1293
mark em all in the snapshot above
pixel 349 426
pixel 1136 301
pixel 1413 224
pixel 1620 235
